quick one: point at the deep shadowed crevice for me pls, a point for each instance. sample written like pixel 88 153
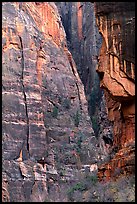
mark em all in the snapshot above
pixel 101 75
pixel 85 54
pixel 24 94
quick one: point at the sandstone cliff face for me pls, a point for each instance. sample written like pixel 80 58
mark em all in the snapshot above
pixel 45 118
pixel 47 134
pixel 116 68
pixel 82 37
pixel 84 42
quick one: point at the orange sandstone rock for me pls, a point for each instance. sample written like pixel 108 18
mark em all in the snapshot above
pixel 116 68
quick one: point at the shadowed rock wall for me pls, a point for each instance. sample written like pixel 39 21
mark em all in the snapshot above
pixel 84 42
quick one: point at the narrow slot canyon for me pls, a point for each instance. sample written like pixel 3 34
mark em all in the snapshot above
pixel 68 102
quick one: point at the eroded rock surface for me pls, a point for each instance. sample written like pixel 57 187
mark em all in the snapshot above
pixel 48 140
pixel 45 118
pixel 116 68
pixel 84 42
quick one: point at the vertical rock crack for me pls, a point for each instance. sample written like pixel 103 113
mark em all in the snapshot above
pixel 70 59
pixel 24 94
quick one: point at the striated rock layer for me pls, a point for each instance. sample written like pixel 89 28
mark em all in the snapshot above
pixel 82 37
pixel 84 42
pixel 45 118
pixel 116 68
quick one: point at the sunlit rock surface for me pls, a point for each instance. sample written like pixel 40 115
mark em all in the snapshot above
pixel 116 68
pixel 45 118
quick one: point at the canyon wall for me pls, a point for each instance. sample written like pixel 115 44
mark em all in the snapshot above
pixel 47 134
pixel 83 38
pixel 116 69
pixel 84 42
pixel 45 122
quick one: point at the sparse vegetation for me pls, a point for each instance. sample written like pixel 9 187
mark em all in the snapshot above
pixel 47 200
pixel 92 179
pixel 79 141
pixel 77 187
pixel 66 103
pixel 76 118
pixel 93 191
pixel 55 112
pixel 84 185
pixel 95 124
pixel 95 96
pixel 94 103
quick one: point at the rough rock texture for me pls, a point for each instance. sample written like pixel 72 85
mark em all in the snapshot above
pixel 45 118
pixel 116 68
pixel 84 42
pixel 82 37
pixel 47 139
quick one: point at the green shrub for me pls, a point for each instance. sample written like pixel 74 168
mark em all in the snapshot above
pixel 92 178
pixel 76 118
pixel 55 112
pixel 77 187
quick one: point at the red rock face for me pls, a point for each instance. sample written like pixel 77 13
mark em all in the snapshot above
pixel 79 20
pixel 116 69
pixel 44 105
